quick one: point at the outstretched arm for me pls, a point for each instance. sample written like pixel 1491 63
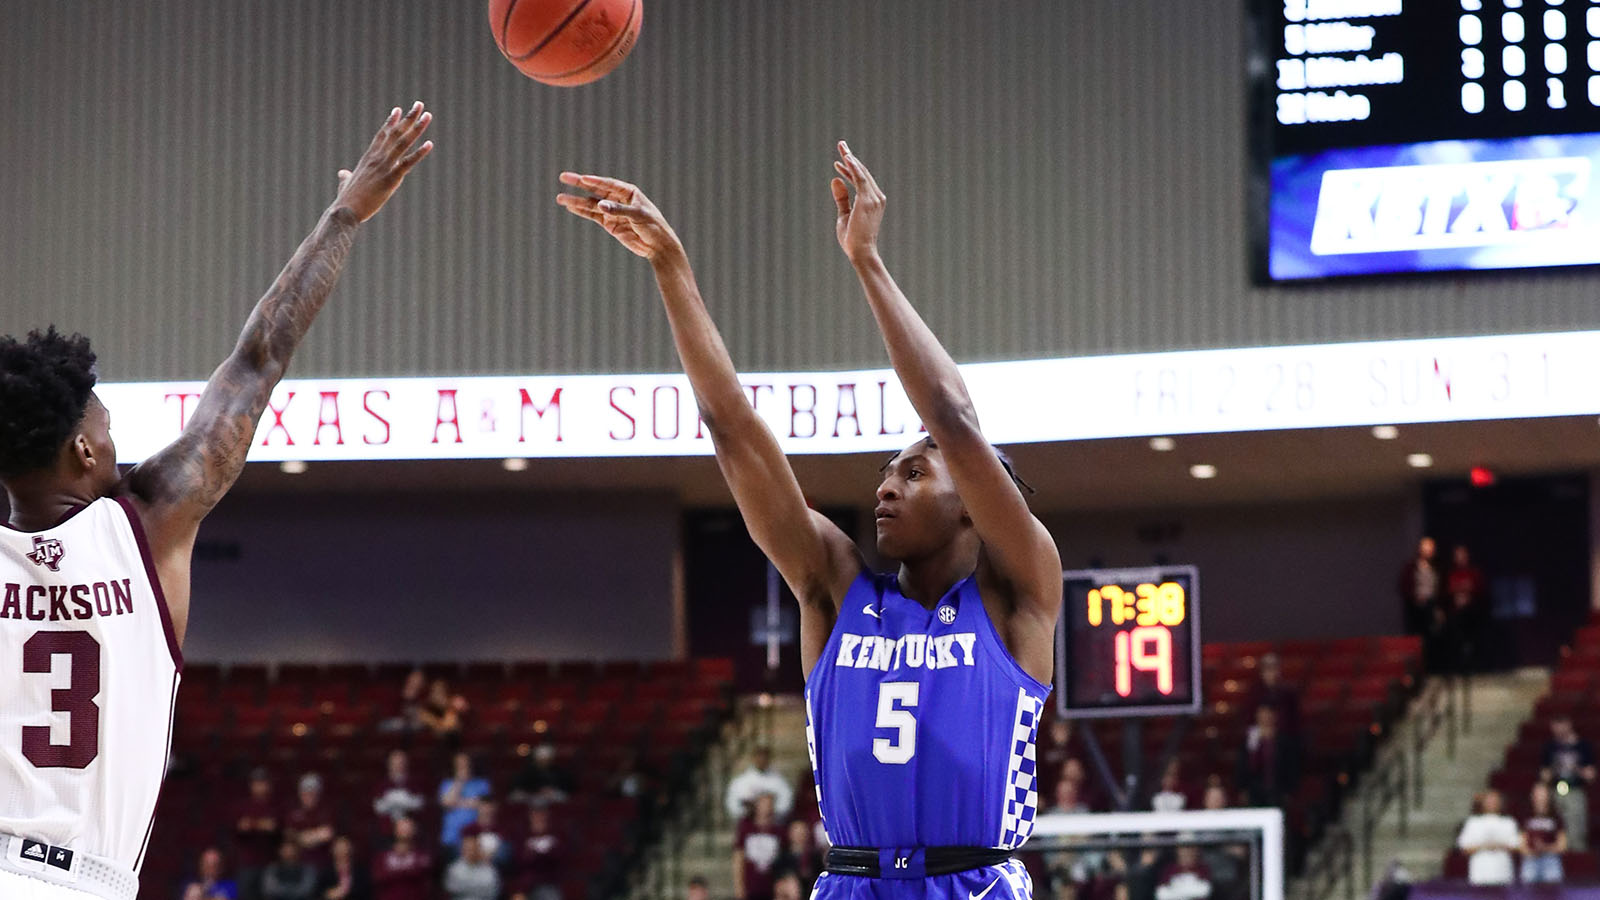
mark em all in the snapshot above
pixel 1018 550
pixel 175 488
pixel 816 559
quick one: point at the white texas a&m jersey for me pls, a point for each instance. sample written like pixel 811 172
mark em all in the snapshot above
pixel 88 674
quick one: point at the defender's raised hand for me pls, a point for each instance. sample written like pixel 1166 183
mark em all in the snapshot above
pixel 390 157
pixel 860 217
pixel 624 212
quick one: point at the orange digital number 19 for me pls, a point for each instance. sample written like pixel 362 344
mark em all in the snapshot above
pixel 1134 652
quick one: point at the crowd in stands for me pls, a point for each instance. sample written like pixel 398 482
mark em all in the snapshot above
pixel 1552 823
pixel 433 826
pixel 777 850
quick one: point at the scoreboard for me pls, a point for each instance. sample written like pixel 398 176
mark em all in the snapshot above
pixel 1423 135
pixel 1128 643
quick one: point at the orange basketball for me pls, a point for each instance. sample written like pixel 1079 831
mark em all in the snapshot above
pixel 565 42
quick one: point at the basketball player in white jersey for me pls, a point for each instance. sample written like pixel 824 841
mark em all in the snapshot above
pixel 94 565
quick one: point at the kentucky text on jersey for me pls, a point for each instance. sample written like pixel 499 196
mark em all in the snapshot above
pixel 914 651
pixel 66 602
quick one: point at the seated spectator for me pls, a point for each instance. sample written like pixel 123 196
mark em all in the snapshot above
pixel 1569 769
pixel 1268 768
pixel 631 780
pixel 1271 690
pixel 1489 837
pixel 398 796
pixel 289 877
pixel 760 778
pixel 344 879
pixel 408 717
pixel 697 889
pixel 1544 839
pixel 310 823
pixel 541 780
pixel 756 845
pixel 257 831
pixel 1056 745
pixel 800 856
pixel 494 845
pixel 1065 799
pixel 459 795
pixel 1073 770
pixel 442 712
pixel 214 885
pixel 404 871
pixel 1215 797
pixel 541 862
pixel 786 886
pixel 1187 878
pixel 472 876
pixel 1170 797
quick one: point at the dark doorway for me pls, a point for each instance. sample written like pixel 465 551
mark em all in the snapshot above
pixel 1530 538
pixel 725 587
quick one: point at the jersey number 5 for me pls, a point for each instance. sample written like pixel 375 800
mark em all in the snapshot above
pixel 76 700
pixel 898 750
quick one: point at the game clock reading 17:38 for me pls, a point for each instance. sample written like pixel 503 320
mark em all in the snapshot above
pixel 1129 642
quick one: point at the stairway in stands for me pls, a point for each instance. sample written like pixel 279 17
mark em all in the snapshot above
pixel 699 839
pixel 1500 703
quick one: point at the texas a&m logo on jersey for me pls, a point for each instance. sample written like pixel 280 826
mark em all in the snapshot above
pixel 47 552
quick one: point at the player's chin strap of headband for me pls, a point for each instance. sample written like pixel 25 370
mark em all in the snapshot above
pixel 910 862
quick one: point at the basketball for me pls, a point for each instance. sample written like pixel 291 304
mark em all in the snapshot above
pixel 565 42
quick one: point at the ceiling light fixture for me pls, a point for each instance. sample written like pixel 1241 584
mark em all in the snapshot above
pixel 293 467
pixel 1203 471
pixel 1419 460
pixel 1385 432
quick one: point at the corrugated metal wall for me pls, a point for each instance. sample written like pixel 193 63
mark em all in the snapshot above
pixel 1065 176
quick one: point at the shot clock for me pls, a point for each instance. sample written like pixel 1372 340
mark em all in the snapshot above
pixel 1129 642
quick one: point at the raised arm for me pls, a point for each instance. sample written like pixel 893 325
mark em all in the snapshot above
pixel 175 488
pixel 1018 551
pixel 816 559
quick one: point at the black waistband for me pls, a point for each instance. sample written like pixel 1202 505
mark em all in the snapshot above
pixel 910 862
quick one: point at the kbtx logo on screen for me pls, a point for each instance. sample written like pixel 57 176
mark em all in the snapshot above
pixel 1458 205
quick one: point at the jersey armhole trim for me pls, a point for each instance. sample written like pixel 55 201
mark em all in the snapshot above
pixel 155 580
pixel 991 637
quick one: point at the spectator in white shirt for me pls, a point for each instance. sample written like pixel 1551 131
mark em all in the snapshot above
pixel 1489 837
pixel 759 779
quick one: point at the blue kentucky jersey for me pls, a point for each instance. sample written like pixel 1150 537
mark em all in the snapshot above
pixel 921 725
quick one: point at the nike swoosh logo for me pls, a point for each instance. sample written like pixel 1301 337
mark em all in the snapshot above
pixel 874 613
pixel 972 896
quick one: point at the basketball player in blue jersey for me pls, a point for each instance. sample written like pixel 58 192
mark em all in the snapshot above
pixel 923 687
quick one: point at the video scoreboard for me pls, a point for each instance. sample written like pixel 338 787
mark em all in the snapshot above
pixel 1424 135
pixel 1128 643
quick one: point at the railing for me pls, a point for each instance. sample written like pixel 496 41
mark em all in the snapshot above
pixel 661 872
pixel 1333 864
pixel 1442 708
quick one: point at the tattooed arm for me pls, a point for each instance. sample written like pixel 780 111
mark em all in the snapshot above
pixel 178 486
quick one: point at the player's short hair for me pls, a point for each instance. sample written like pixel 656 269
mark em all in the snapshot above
pixel 45 383
pixel 1005 460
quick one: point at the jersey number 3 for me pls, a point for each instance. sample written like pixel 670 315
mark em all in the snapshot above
pixel 892 696
pixel 76 700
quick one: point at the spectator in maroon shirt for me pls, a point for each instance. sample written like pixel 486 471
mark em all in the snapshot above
pixel 541 859
pixel 408 717
pixel 1464 607
pixel 800 854
pixel 1544 839
pixel 1272 691
pixel 1056 745
pixel 344 879
pixel 310 823
pixel 397 796
pixel 1268 768
pixel 756 846
pixel 404 871
pixel 257 831
pixel 1187 878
